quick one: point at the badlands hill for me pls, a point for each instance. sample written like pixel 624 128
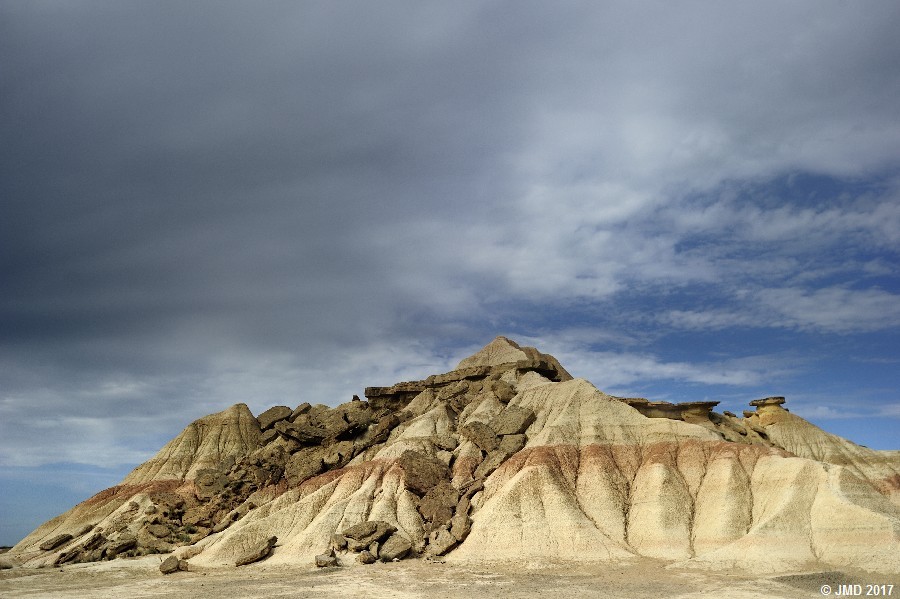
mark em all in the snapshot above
pixel 507 457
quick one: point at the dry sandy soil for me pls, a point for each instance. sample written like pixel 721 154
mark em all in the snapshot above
pixel 140 577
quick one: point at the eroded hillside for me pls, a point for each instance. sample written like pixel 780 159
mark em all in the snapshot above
pixel 504 457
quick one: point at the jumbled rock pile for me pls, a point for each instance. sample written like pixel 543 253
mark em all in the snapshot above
pixel 370 541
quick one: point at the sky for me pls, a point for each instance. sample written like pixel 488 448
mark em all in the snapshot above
pixel 212 202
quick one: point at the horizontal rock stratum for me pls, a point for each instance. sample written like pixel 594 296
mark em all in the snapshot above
pixel 506 457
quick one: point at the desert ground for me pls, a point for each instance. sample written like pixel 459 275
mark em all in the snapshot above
pixel 139 577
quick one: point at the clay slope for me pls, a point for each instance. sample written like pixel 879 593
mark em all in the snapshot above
pixel 204 444
pixel 672 490
pixel 801 438
pixel 506 457
pixel 153 509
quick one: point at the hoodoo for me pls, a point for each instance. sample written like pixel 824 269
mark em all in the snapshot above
pixel 505 457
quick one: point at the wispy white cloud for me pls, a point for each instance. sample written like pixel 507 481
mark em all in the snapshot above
pixel 616 369
pixel 831 309
pixel 836 309
pixel 709 320
pixel 827 412
pixel 586 354
pixel 890 410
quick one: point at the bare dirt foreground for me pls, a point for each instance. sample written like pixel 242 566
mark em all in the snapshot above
pixel 140 577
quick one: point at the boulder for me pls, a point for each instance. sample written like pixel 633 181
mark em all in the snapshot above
pixel 268 436
pixel 513 420
pixel 150 544
pixel 299 411
pixel 396 547
pixel 511 444
pixel 360 536
pixel 439 503
pixel 344 421
pixel 209 482
pixel 304 464
pixel 365 557
pixel 324 560
pixel 396 397
pixel 258 552
pixel 463 506
pixel 458 403
pixel 381 430
pixel 357 413
pixel 460 526
pixel 274 414
pixel 452 390
pixel 121 545
pixel 338 542
pixel 445 442
pixel 767 401
pixel 170 565
pixel 302 432
pixel 503 390
pixel 491 463
pixel 55 542
pixel 470 488
pixel 421 472
pixel 481 435
pixel 201 514
pixel 440 541
pixel 339 454
pixel 360 531
pixel 160 531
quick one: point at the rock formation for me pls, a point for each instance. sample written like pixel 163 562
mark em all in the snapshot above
pixel 505 457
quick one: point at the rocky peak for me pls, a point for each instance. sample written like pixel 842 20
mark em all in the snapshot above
pixel 502 351
pixel 507 448
pixel 205 443
pixel 499 351
pixel 493 360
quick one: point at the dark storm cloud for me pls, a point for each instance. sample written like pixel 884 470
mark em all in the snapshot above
pixel 198 199
pixel 178 159
pixel 175 162
pixel 211 202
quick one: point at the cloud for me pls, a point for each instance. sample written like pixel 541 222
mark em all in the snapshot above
pixel 108 422
pixel 835 309
pixel 825 412
pixel 617 369
pixel 831 309
pixel 211 205
pixel 587 353
pixel 890 410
